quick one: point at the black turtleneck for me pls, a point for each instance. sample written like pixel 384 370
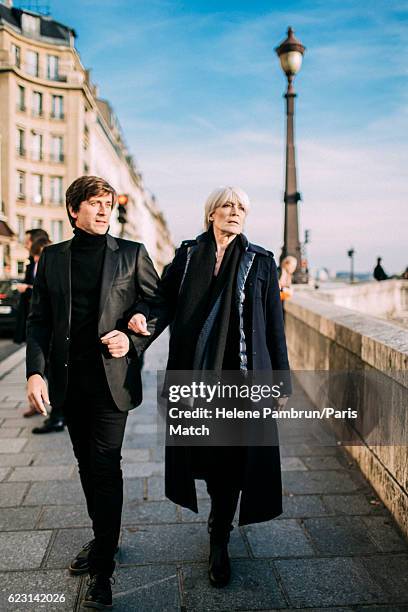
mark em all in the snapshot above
pixel 87 256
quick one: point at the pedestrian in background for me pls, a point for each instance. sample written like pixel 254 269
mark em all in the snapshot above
pixel 25 288
pixel 379 272
pixel 287 269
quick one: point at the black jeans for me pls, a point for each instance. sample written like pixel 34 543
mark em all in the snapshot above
pixel 96 427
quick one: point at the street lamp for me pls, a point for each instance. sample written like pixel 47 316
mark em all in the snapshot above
pixel 290 53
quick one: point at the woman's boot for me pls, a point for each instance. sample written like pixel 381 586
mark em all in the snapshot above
pixel 219 569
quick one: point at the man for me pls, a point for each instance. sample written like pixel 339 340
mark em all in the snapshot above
pixel 379 272
pixel 84 290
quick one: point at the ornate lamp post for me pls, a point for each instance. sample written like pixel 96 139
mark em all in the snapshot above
pixel 290 53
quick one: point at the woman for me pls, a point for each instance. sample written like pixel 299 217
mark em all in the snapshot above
pixel 288 268
pixel 222 296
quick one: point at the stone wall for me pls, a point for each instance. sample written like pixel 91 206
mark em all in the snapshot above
pixel 386 298
pixel 325 336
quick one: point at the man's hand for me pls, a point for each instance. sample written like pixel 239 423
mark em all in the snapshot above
pixel 22 287
pixel 117 343
pixel 138 324
pixel 37 393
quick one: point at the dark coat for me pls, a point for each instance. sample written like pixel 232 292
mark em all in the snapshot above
pixel 261 498
pixel 24 302
pixel 128 279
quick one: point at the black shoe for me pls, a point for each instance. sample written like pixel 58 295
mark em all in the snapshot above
pixel 219 569
pixel 80 564
pixel 50 426
pixel 99 592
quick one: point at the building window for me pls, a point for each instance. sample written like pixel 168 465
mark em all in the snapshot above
pixel 57 111
pixel 21 185
pixel 30 24
pixel 38 184
pixel 32 63
pixel 37 104
pixel 57 149
pixel 52 67
pixel 20 228
pixel 56 231
pixel 21 142
pixel 37 151
pixel 21 98
pixel 36 223
pixel 16 55
pixel 20 267
pixel 56 189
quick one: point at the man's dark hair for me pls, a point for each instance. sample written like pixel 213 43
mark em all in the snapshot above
pixel 82 189
pixel 36 233
pixel 38 245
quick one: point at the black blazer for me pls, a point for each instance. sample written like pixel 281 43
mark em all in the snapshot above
pixel 129 284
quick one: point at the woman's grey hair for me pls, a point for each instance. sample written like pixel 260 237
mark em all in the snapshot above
pixel 220 196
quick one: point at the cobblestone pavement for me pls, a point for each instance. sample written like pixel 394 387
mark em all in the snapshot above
pixel 334 548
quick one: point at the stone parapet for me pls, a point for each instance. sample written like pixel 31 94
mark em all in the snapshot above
pixel 325 336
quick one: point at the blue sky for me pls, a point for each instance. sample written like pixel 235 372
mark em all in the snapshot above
pixel 198 90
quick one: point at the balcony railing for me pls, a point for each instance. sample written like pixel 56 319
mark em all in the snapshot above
pixel 21 151
pixel 57 115
pixel 21 108
pixel 37 113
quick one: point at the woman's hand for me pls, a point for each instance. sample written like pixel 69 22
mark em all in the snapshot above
pixel 138 324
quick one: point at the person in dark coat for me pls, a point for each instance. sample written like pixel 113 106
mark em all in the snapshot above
pixel 379 272
pixel 26 287
pixel 222 298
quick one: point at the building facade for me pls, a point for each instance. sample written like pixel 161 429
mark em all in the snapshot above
pixel 54 128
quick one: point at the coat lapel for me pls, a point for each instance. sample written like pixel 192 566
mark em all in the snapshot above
pixel 64 275
pixel 109 270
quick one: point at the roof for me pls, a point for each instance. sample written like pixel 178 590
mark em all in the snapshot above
pixel 49 28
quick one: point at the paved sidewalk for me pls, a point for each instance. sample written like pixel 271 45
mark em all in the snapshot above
pixel 334 548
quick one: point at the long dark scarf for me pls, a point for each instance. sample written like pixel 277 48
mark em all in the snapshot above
pixel 200 329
